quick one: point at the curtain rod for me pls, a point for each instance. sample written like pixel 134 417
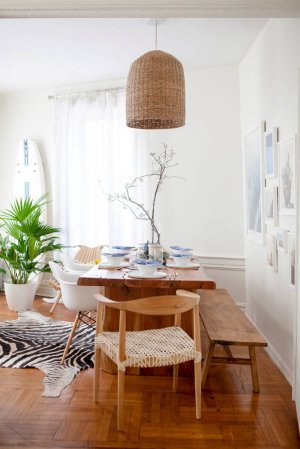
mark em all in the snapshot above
pixel 53 97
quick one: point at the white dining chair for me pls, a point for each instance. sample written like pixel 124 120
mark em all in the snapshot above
pixel 59 273
pixel 72 264
pixel 77 298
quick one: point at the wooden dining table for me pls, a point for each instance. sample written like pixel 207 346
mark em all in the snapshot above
pixel 118 285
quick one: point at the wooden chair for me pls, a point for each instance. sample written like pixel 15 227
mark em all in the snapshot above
pixel 149 348
pixel 87 254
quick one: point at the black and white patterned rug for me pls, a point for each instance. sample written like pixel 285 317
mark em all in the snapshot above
pixel 36 341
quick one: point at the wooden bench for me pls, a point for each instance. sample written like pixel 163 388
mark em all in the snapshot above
pixel 227 325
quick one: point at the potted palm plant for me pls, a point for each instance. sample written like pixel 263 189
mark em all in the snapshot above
pixel 25 241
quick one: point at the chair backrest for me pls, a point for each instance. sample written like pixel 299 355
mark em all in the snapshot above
pixel 71 264
pixel 89 255
pixel 78 297
pixel 61 275
pixel 155 305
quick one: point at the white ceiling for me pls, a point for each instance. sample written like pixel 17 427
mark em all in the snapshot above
pixel 51 53
pixel 149 8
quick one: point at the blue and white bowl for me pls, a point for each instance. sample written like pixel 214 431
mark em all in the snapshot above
pixel 182 259
pixel 119 249
pixel 181 250
pixel 147 267
pixel 114 259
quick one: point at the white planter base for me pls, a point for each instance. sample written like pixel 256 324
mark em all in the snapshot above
pixel 19 297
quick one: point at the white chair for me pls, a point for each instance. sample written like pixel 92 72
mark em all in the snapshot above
pixel 75 297
pixel 150 348
pixel 66 276
pixel 84 259
pixel 72 265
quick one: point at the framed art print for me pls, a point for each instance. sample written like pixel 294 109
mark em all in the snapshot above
pixel 287 176
pixel 271 205
pixel 254 183
pixel 270 153
pixel 271 248
pixel 292 259
pixel 282 240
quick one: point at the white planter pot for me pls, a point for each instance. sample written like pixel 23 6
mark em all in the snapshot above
pixel 19 297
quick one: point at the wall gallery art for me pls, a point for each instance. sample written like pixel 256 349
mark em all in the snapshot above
pixel 287 176
pixel 271 205
pixel 253 153
pixel 271 246
pixel 270 153
pixel 282 240
pixel 292 258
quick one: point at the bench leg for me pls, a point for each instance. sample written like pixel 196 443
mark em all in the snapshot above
pixel 207 362
pixel 254 369
pixel 228 351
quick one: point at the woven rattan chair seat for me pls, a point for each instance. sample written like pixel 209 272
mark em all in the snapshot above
pixel 150 348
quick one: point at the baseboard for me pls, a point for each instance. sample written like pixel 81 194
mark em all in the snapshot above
pixel 276 357
pixel 46 291
pixel 280 363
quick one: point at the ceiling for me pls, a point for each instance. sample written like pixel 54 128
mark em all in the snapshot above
pixel 149 8
pixel 53 53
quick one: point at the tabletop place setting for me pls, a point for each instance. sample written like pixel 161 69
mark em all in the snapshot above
pixel 148 261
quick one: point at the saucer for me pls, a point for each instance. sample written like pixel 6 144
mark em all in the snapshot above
pixel 189 265
pixel 157 275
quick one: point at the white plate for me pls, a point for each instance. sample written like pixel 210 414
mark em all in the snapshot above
pixel 157 275
pixel 189 265
pixel 105 265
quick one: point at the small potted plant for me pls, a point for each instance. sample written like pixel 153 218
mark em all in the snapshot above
pixel 25 241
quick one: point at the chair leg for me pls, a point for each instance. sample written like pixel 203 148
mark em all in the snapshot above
pixel 97 373
pixel 57 298
pixel 70 338
pixel 197 376
pixel 121 386
pixel 175 378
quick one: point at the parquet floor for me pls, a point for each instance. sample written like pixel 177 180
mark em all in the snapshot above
pixel 232 416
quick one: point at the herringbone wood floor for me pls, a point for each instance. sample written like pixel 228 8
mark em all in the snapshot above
pixel 232 416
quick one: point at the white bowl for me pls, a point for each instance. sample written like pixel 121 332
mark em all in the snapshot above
pixel 182 259
pixel 120 249
pixel 147 267
pixel 114 259
pixel 180 250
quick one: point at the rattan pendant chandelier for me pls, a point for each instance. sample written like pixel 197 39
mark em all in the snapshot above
pixel 155 91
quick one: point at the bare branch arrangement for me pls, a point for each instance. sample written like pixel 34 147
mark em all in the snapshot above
pixel 161 163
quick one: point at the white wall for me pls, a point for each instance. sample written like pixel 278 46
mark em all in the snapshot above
pixel 24 115
pixel 205 211
pixel 269 91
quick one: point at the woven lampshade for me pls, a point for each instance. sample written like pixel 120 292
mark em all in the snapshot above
pixel 155 92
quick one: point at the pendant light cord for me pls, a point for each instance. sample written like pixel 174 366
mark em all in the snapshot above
pixel 155 34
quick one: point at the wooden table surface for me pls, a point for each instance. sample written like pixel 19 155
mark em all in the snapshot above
pixel 188 279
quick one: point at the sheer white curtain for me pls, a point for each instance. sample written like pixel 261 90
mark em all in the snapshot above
pixel 94 153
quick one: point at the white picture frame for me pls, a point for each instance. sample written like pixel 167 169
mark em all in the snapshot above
pixel 271 205
pixel 254 184
pixel 292 259
pixel 270 153
pixel 282 240
pixel 271 249
pixel 287 176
